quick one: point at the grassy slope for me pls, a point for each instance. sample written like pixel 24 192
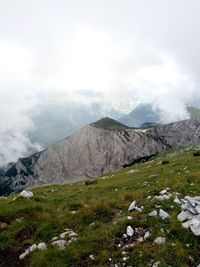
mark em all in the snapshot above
pixel 49 212
pixel 109 124
pixel 194 112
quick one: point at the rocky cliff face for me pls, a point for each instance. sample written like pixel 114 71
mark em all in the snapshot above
pixel 95 150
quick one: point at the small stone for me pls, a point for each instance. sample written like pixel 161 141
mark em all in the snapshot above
pixel 73 234
pixel 73 212
pixel 147 235
pixel 185 225
pixel 163 192
pixel 138 209
pixel 153 213
pixel 177 200
pixel 159 240
pixel 61 244
pixel 140 239
pixel 3 225
pixel 62 235
pixel 91 257
pixel 54 238
pixel 32 248
pixel 194 225
pixel 156 264
pixel 132 206
pixel 26 194
pixel 163 214
pixel 41 246
pixel 182 216
pixel 130 231
pixel 22 256
pixel 129 217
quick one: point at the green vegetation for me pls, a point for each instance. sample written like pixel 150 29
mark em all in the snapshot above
pixel 109 124
pixel 101 219
pixel 194 112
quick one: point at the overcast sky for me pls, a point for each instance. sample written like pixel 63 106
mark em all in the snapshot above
pixel 127 51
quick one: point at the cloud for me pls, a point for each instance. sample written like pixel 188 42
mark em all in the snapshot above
pixel 80 53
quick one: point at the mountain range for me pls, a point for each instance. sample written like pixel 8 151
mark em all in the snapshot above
pixel 98 148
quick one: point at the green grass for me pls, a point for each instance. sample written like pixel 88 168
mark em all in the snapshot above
pixel 101 217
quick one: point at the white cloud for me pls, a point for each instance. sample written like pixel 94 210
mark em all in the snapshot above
pixel 129 52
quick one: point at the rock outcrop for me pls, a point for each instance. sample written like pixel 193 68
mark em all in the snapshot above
pixel 95 150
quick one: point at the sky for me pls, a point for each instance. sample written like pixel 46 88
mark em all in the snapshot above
pixel 121 52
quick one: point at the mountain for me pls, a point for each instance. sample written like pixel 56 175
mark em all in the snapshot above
pixel 109 124
pixel 55 121
pixel 141 114
pixel 94 151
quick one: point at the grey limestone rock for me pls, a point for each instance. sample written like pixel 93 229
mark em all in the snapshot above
pixel 93 151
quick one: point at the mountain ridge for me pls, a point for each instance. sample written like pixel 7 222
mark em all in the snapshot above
pixel 93 151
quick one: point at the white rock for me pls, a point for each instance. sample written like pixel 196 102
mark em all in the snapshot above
pixel 140 239
pixel 182 216
pixel 163 214
pixel 185 225
pixel 156 264
pixel 73 212
pixel 73 234
pixel 149 197
pixel 91 257
pixel 197 208
pixel 159 240
pixel 177 200
pixel 163 192
pixel 166 197
pixel 33 247
pixel 194 225
pixel 54 238
pixel 23 255
pixel 129 231
pixel 154 213
pixel 147 235
pixel 62 235
pixel 132 206
pixel 26 194
pixel 129 217
pixel 41 246
pixel 138 209
pixel 61 244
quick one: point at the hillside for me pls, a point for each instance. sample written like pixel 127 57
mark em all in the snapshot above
pixel 97 216
pixel 194 112
pixel 94 150
pixel 109 124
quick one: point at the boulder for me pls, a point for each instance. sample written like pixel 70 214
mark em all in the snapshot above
pixel 26 194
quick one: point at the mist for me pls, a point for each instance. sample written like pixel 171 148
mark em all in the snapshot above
pixel 75 62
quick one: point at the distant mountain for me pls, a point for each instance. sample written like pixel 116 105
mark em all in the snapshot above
pixel 56 121
pixel 96 149
pixel 140 115
pixel 109 124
